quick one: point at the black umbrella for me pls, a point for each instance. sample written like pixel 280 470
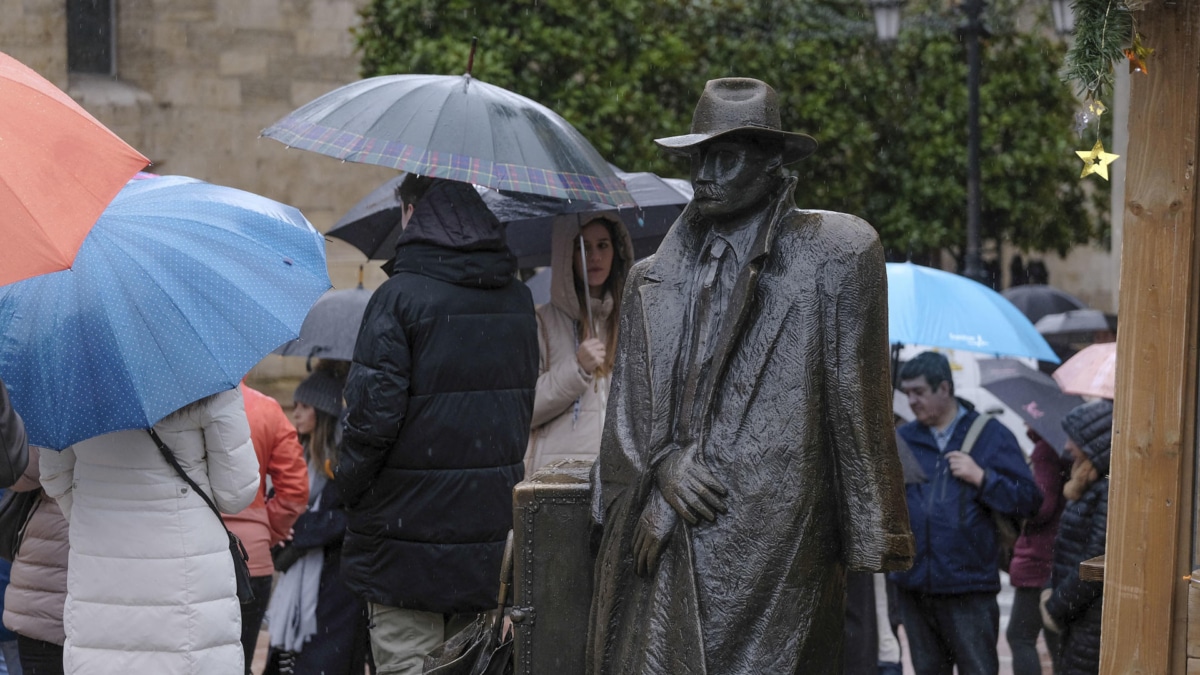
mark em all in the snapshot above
pixel 1032 394
pixel 1038 300
pixel 373 224
pixel 481 648
pixel 331 327
pixel 530 219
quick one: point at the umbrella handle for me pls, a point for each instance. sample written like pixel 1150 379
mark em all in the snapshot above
pixel 587 303
pixel 506 571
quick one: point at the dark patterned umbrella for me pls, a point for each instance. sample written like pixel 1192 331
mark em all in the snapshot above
pixel 454 127
pixel 1032 394
pixel 373 224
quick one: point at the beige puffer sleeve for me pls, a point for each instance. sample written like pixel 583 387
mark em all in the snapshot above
pixel 58 477
pixel 232 463
pixel 561 381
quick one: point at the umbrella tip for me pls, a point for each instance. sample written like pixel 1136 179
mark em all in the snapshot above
pixel 471 57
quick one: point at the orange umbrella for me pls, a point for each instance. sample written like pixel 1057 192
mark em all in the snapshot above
pixel 1091 372
pixel 59 169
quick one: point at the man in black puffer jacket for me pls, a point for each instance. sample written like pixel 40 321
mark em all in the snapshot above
pixel 1071 606
pixel 439 402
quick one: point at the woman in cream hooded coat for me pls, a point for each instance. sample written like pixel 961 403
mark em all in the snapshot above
pixel 150 585
pixel 575 357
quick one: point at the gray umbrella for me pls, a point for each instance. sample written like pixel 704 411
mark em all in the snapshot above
pixel 1076 321
pixel 454 127
pixel 331 327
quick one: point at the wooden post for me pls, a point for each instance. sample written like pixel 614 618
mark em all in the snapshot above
pixel 1150 500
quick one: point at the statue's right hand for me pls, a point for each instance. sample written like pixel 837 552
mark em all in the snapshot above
pixel 653 530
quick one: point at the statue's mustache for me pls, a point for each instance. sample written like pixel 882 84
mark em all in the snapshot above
pixel 709 191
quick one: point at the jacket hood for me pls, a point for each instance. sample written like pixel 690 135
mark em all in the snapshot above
pixel 564 242
pixel 452 215
pixel 1090 426
pixel 473 269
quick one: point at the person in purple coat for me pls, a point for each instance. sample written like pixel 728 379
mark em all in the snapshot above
pixel 1033 559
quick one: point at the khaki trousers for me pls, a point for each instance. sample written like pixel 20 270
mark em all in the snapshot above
pixel 400 638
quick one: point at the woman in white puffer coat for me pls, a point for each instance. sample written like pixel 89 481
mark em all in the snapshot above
pixel 150 581
pixel 576 356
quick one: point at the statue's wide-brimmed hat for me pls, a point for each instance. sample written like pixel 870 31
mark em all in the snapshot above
pixel 739 105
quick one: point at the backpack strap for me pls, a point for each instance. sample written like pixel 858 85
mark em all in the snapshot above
pixel 973 433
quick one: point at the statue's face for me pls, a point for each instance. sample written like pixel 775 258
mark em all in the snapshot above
pixel 733 175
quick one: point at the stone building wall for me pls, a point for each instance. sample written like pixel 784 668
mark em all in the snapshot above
pixel 197 80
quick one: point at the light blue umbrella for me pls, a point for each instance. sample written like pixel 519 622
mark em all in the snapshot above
pixel 930 307
pixel 179 289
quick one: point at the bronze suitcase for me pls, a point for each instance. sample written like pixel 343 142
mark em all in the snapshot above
pixel 552 572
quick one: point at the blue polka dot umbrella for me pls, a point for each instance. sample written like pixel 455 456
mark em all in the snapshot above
pixel 179 289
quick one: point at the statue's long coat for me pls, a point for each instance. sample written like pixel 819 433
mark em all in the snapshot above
pixel 801 435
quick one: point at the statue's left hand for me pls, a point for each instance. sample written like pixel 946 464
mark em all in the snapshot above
pixel 689 487
pixel 653 530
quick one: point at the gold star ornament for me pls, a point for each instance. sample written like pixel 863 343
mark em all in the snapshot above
pixel 1096 161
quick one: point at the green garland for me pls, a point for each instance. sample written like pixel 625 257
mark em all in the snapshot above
pixel 1103 29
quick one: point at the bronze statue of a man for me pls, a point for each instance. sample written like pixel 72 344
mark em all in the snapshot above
pixel 748 456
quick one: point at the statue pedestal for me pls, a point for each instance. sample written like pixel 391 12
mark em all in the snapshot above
pixel 552 569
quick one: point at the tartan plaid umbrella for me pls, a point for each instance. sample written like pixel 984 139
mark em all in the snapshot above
pixel 454 127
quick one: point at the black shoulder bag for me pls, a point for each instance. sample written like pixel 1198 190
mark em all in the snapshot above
pixel 16 509
pixel 241 568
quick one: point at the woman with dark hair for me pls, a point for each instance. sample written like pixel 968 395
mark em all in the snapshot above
pixel 577 338
pixel 316 624
pixel 1033 559
pixel 1071 606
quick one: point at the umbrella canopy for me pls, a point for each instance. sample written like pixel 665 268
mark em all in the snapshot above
pixel 59 168
pixel 180 288
pixel 539 286
pixel 1038 300
pixel 1091 372
pixel 373 224
pixel 331 327
pixel 931 307
pixel 453 127
pixel 1076 321
pixel 1032 394
pixel 529 218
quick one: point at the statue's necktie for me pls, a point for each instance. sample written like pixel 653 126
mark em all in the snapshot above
pixel 706 320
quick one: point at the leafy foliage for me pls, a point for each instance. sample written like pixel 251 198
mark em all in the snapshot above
pixel 1103 28
pixel 890 119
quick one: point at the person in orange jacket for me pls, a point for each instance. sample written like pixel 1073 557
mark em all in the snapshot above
pixel 268 520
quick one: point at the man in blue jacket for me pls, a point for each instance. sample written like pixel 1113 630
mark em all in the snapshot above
pixel 948 598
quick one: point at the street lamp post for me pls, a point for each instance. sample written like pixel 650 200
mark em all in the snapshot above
pixel 887 15
pixel 887 28
pixel 972 31
pixel 1064 16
